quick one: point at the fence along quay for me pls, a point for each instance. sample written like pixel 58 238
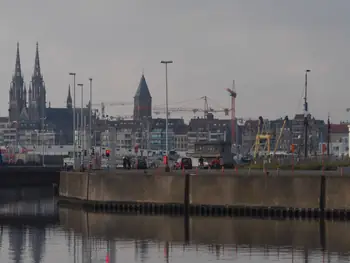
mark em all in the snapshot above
pixel 282 195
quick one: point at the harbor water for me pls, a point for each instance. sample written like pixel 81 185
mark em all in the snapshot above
pixel 34 229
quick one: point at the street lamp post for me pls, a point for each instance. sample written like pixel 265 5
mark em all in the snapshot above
pixel 74 122
pixel 306 120
pixel 166 62
pixel 90 113
pixel 43 141
pixel 82 128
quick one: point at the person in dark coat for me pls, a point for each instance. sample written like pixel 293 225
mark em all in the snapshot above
pixel 201 161
pixel 129 163
pixel 124 162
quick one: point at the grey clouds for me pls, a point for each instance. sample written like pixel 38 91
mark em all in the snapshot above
pixel 264 45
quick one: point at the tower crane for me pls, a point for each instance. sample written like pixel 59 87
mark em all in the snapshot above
pixel 103 106
pixel 206 109
pixel 232 92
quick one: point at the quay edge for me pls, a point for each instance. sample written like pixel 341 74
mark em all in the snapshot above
pixel 29 176
pixel 210 193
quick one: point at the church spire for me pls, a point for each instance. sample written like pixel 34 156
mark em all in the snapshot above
pixel 37 71
pixel 18 71
pixel 69 99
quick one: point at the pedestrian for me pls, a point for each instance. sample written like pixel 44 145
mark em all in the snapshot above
pixel 124 162
pixel 129 163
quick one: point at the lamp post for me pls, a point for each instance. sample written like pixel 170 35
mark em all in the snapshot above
pixel 306 121
pixel 90 113
pixel 166 62
pixel 82 129
pixel 43 141
pixel 74 122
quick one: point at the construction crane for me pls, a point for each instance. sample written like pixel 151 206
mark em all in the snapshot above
pixel 121 117
pixel 262 134
pixel 103 106
pixel 280 135
pixel 232 92
pixel 160 110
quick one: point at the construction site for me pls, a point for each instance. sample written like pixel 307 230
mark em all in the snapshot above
pixel 192 125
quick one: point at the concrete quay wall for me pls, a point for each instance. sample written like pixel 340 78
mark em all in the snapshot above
pixel 133 187
pixel 28 176
pixel 259 191
pixel 212 189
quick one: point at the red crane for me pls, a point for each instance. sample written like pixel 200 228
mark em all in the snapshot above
pixel 232 92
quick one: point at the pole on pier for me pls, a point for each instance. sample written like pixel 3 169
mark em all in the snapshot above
pixel 306 121
pixel 112 134
pixel 328 134
pixel 90 117
pixel 74 123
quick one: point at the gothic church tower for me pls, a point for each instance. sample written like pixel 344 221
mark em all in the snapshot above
pixel 142 101
pixel 18 93
pixel 37 92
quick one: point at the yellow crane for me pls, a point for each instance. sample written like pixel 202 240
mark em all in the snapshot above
pixel 262 134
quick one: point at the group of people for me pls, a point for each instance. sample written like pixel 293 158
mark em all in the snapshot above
pixel 216 163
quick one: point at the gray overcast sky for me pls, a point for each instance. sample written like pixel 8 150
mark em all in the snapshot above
pixel 265 45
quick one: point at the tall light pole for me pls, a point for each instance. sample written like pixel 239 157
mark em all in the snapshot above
pixel 166 62
pixel 306 121
pixel 43 141
pixel 74 122
pixel 90 113
pixel 82 121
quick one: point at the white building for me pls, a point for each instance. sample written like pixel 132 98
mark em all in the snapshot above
pixel 180 141
pixel 125 139
pixel 36 138
pixel 7 134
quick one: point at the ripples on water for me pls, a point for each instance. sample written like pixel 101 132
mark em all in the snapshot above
pixel 32 229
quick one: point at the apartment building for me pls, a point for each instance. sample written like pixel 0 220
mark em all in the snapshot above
pixel 207 129
pixel 8 132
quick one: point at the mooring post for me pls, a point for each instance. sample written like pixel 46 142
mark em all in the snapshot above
pixel 87 185
pixel 187 195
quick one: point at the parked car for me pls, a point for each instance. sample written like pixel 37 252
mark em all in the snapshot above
pixel 183 163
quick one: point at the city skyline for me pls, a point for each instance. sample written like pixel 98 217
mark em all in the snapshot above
pixel 264 47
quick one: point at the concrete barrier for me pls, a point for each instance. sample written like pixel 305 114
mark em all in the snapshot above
pixel 73 185
pixel 316 193
pixel 337 192
pixel 111 187
pixel 266 191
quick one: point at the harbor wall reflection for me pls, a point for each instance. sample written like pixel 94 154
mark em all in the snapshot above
pixel 309 235
pixel 110 226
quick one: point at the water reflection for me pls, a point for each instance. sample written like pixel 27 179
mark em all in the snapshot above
pixel 297 239
pixel 25 215
pixel 32 229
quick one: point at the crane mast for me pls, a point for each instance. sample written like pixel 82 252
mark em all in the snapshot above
pixel 232 92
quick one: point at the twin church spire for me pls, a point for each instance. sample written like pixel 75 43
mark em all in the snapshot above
pixel 18 108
